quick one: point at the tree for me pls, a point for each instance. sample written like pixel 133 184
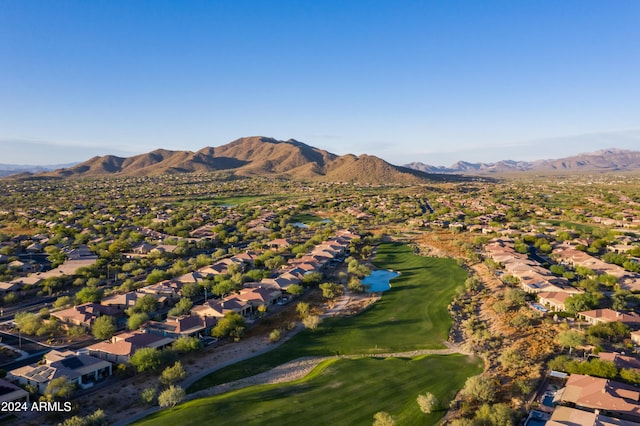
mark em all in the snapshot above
pixel 104 327
pixel 330 290
pixel 171 397
pixel 62 301
pixel 146 359
pixel 172 375
pixel 136 320
pixel 514 296
pixel 427 402
pixel 311 321
pixel 149 395
pixel 181 308
pixel 28 322
pixel 295 289
pixel 89 294
pixel 186 344
pixel 355 285
pixel 582 302
pixel 275 335
pixel 480 388
pixel 512 358
pixel 232 324
pixel 494 414
pixel 191 290
pixel 146 304
pixel 59 388
pixel 570 339
pixel 97 418
pixel 630 375
pixel 303 309
pixel 382 418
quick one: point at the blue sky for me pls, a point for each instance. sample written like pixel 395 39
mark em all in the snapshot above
pixel 430 81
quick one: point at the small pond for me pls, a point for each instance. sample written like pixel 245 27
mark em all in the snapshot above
pixel 379 280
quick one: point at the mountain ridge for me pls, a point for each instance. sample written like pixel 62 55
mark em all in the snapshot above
pixel 604 160
pixel 251 156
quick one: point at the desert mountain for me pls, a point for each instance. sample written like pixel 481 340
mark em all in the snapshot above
pixel 251 156
pixel 608 160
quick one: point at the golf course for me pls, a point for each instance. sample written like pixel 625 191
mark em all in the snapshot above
pixel 411 316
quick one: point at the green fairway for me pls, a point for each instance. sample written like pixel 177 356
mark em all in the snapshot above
pixel 337 392
pixel 305 218
pixel 412 315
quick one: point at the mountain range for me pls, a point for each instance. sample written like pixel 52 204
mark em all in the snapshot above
pixel 291 159
pixel 12 169
pixel 250 156
pixel 607 160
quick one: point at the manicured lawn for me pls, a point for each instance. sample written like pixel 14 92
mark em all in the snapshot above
pixel 305 218
pixel 339 391
pixel 412 315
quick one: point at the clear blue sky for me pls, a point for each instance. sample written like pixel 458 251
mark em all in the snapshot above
pixel 430 81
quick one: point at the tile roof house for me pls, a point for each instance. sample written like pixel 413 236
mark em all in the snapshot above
pixel 218 308
pixel 84 315
pixel 597 316
pixel 567 416
pixel 260 296
pixel 167 288
pixel 621 361
pixel 554 299
pixel 608 397
pixel 81 369
pixel 182 326
pixel 121 346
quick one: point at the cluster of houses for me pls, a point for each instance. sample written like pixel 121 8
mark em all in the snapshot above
pixel 569 255
pixel 76 258
pixel 553 291
pixel 581 399
pixel 534 278
pixel 587 400
pixel 94 362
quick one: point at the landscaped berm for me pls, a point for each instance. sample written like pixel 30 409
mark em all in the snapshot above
pixel 411 316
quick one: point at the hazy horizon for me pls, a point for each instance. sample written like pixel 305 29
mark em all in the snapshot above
pixel 435 82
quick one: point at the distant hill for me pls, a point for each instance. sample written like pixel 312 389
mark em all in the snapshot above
pixel 12 169
pixel 607 160
pixel 251 156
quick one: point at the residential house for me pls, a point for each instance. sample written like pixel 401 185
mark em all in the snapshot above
pixel 84 315
pixel 597 316
pixel 621 361
pixel 121 346
pixel 555 300
pixel 279 244
pixel 81 369
pixel 635 337
pixel 12 393
pixel 182 326
pixel 127 300
pixel 218 308
pixel 259 296
pixel 169 289
pixel 279 282
pixel 567 416
pixel 9 287
pixel 600 395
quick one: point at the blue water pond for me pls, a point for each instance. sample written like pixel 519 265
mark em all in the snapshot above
pixel 379 280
